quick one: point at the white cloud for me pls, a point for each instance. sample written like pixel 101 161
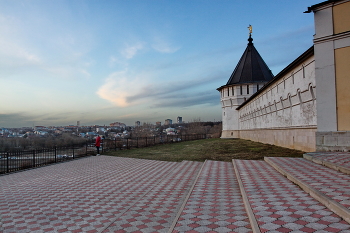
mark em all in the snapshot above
pixel 131 50
pixel 117 87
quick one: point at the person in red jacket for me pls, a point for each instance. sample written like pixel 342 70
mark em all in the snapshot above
pixel 98 144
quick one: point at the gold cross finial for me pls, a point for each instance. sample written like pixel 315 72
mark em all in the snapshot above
pixel 250 28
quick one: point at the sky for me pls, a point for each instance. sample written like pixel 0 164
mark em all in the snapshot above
pixel 98 62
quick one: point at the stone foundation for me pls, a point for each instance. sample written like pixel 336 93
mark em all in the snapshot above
pixel 333 141
pixel 303 139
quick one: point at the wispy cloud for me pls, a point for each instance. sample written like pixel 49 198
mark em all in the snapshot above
pixel 163 46
pixel 129 51
pixel 13 50
pixel 123 90
pixel 117 87
pixel 183 101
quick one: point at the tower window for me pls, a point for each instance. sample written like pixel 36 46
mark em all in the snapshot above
pixel 247 89
pixel 241 89
pixel 228 91
pixel 257 87
pixel 233 93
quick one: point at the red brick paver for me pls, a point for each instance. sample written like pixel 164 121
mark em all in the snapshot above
pixel 215 204
pixel 281 206
pixel 333 184
pixel 85 194
pixel 157 209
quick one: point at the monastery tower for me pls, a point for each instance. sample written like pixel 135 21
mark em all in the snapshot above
pixel 250 74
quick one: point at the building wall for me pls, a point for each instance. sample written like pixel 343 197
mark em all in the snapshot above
pixel 342 58
pixel 341 17
pixel 284 111
pixel 332 55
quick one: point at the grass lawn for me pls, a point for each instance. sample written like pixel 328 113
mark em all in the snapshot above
pixel 211 149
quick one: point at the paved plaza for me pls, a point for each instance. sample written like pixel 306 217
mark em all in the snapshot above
pixel 112 194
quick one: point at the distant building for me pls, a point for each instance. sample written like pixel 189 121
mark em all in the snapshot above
pixel 170 131
pixel 168 122
pixel 117 124
pixel 101 129
pixel 179 119
pixel 39 127
pixel 137 123
pixel 158 123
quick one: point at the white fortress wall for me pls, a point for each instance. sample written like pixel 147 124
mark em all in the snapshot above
pixel 284 113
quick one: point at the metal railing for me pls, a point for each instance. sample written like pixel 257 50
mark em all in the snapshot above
pixel 15 160
pixel 139 142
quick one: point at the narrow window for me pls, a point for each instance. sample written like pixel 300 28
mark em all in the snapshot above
pixel 241 89
pixel 228 91
pixel 257 87
pixel 247 89
pixel 303 71
pixel 233 93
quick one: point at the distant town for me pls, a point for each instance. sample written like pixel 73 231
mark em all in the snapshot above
pixel 114 130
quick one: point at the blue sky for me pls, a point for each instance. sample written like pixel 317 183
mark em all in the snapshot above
pixel 99 62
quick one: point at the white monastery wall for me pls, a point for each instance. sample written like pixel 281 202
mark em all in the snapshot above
pixel 284 113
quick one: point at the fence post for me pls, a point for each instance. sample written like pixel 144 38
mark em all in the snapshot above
pixel 33 158
pixel 7 162
pixel 55 154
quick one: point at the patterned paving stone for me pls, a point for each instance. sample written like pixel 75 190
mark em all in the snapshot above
pixel 215 204
pixel 338 158
pixel 281 206
pixel 157 209
pixel 86 194
pixel 333 184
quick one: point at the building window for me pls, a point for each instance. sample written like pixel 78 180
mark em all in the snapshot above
pixel 228 91
pixel 241 89
pixel 257 87
pixel 247 89
pixel 233 93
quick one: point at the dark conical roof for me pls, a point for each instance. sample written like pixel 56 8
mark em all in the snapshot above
pixel 251 68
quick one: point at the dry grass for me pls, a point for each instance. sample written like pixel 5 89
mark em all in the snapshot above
pixel 211 149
